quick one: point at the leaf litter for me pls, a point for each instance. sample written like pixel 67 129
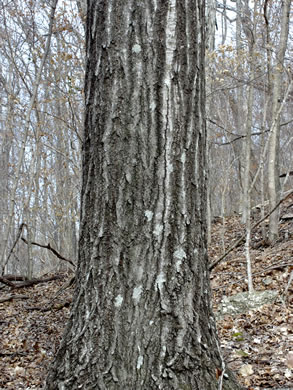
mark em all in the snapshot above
pixel 256 344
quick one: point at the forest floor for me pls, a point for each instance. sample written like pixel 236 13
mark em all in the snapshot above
pixel 255 344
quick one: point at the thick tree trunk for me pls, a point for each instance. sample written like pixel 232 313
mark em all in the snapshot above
pixel 141 317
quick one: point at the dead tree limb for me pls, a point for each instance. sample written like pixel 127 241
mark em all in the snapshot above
pixel 7 282
pixel 48 246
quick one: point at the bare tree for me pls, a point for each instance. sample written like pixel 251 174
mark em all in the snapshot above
pixel 26 132
pixel 40 151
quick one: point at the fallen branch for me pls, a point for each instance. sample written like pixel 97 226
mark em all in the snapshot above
pixel 48 246
pixel 15 278
pixel 32 282
pixel 28 283
pixel 6 281
pixel 242 238
pixel 59 306
pixel 11 297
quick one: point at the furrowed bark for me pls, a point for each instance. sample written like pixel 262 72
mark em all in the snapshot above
pixel 141 317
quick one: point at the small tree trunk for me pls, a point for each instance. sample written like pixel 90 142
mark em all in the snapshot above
pixel 211 27
pixel 274 146
pixel 240 150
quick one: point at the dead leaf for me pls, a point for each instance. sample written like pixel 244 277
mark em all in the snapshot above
pixel 289 359
pixel 246 370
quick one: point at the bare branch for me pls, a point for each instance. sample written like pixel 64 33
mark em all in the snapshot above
pixel 48 246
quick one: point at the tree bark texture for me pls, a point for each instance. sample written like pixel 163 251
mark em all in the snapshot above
pixel 141 317
pixel 274 145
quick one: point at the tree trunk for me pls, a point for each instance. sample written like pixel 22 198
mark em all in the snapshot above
pixel 274 145
pixel 211 9
pixel 240 148
pixel 141 317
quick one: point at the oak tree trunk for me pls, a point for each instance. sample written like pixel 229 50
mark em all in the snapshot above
pixel 141 317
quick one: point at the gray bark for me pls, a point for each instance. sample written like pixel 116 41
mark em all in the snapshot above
pixel 211 20
pixel 82 7
pixel 141 317
pixel 240 149
pixel 274 145
pixel 211 28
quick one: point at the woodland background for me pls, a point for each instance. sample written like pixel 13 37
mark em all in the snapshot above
pixel 41 121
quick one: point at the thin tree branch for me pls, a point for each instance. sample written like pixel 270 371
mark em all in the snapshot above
pixel 240 136
pixel 48 246
pixel 221 258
